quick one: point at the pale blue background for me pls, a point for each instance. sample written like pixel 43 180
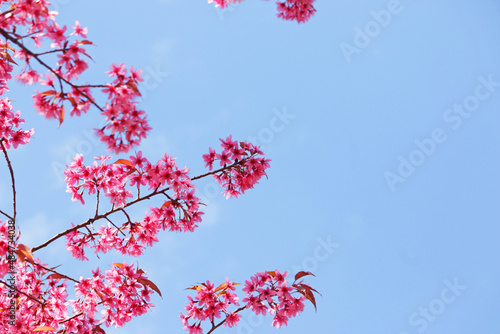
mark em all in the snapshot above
pixel 228 73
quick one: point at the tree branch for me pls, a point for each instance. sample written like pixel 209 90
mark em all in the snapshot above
pixel 14 288
pixel 13 182
pixel 104 215
pixel 6 215
pixel 55 272
pixel 59 76
pixel 223 321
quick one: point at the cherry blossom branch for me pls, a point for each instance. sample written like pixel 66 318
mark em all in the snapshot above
pixel 222 169
pixel 223 321
pixel 11 171
pixel 7 12
pixel 97 204
pixel 77 315
pixel 14 288
pixel 114 210
pixel 60 77
pixel 117 228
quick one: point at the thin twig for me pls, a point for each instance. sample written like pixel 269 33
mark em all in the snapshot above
pixel 9 165
pixel 223 321
pixel 76 315
pixel 117 228
pixel 55 272
pixel 6 215
pixel 97 204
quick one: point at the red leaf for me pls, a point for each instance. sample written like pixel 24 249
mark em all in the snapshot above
pixel 99 294
pixel 166 204
pixel 119 265
pixel 221 287
pixel 48 92
pixel 61 116
pixel 306 291
pixel 124 162
pixel 147 282
pixel 99 329
pixel 24 252
pixel 301 274
pixel 272 273
pixel 73 101
pixel 44 328
pixel 84 42
pixel 133 86
pixel 56 276
pixel 7 57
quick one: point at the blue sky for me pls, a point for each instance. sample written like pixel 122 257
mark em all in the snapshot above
pixel 415 254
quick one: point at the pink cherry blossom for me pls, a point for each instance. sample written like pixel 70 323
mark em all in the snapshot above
pixel 245 166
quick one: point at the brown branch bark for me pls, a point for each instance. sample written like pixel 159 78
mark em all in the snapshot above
pixel 223 321
pixel 12 179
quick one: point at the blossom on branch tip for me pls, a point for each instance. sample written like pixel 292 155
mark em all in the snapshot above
pixel 243 166
pixel 10 133
pixel 265 291
pixel 298 10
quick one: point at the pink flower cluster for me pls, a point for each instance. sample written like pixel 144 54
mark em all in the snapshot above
pixel 299 10
pixel 210 303
pixel 42 301
pixel 266 291
pixel 10 134
pixel 26 22
pixel 119 294
pixel 6 67
pixel 127 125
pixel 123 291
pixel 245 166
pixel 180 213
pixel 99 177
pixel 223 3
pixel 269 291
